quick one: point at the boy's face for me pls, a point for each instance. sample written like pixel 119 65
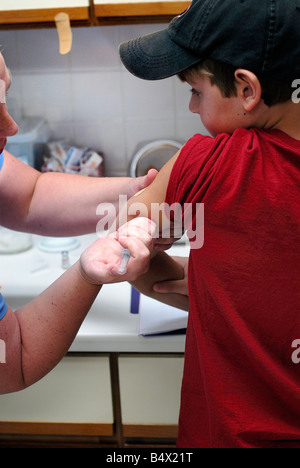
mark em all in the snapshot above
pixel 8 126
pixel 218 114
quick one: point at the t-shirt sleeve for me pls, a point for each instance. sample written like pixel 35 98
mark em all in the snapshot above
pixel 194 169
pixel 3 307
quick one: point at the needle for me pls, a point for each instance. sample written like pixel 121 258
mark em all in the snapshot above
pixel 125 259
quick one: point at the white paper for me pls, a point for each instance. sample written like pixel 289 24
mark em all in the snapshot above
pixel 156 317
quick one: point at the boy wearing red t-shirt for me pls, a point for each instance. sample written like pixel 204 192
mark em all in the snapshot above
pixel 241 385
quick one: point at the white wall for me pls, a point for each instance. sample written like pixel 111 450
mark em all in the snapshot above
pixel 89 98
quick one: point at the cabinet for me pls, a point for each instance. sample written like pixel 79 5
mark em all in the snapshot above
pixel 150 395
pixel 97 400
pixel 73 400
pixel 37 13
pixel 132 11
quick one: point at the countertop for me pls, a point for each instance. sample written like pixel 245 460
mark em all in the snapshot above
pixel 109 326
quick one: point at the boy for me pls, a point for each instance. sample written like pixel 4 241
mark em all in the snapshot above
pixel 241 385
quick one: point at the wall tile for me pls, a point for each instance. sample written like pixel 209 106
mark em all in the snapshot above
pixel 8 45
pixel 131 31
pixel 147 99
pixel 96 96
pixel 95 49
pixel 47 95
pixel 39 52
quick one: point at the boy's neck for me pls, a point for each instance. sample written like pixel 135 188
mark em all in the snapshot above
pixel 284 117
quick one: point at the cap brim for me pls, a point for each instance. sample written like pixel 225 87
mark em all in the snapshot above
pixel 155 56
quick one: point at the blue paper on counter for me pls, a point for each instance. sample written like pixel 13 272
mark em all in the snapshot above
pixel 135 301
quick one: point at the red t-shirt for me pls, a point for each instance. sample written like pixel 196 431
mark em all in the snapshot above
pixel 241 385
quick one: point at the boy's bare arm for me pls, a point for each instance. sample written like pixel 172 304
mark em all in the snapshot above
pixel 162 266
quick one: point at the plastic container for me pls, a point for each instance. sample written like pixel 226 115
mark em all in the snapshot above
pixel 25 145
pixel 12 242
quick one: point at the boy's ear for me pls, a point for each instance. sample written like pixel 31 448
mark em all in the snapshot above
pixel 249 88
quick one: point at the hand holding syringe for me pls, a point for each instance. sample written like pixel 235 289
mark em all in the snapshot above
pixel 107 260
pixel 134 224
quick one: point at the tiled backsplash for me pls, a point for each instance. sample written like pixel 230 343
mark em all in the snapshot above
pixel 87 96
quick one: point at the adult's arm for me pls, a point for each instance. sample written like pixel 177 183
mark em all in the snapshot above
pixel 56 204
pixel 38 335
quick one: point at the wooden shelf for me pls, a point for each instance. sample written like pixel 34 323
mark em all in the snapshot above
pixel 57 429
pixel 108 12
pixel 115 10
pixel 18 17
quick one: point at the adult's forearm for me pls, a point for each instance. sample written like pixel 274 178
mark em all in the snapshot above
pixel 59 204
pixel 38 335
pixel 64 204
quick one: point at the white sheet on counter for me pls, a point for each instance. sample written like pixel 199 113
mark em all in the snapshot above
pixel 157 318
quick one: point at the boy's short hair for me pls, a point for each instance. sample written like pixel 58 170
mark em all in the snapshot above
pixel 222 75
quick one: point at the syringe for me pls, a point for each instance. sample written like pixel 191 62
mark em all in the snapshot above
pixel 125 259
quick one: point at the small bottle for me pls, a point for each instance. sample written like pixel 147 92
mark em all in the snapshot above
pixel 65 262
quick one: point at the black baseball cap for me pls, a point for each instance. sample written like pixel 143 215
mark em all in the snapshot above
pixel 262 36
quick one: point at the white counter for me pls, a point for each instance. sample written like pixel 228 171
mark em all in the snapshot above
pixel 109 326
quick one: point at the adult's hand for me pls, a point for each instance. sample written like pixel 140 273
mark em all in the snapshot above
pixel 140 183
pixel 100 263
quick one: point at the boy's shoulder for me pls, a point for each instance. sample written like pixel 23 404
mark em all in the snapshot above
pixel 241 136
pixel 204 154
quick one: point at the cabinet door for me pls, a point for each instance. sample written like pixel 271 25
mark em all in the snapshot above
pixel 36 11
pixel 74 398
pixel 128 8
pixel 150 394
pixel 39 5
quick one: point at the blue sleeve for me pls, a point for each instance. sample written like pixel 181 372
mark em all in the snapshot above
pixel 3 307
pixel 1 160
